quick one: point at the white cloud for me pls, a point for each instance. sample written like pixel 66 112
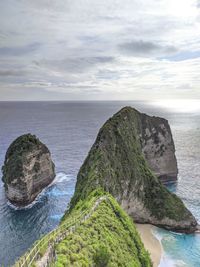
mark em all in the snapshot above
pixel 104 49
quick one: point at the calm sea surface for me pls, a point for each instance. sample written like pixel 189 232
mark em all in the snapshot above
pixel 69 129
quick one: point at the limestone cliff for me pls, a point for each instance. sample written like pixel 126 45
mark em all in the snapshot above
pixel 158 147
pixel 116 163
pixel 27 169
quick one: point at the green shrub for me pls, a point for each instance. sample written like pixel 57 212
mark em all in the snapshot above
pixel 107 238
pixel 102 257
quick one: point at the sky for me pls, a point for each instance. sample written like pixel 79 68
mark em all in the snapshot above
pixel 99 49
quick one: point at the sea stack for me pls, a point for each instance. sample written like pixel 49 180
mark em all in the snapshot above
pixel 121 162
pixel 28 168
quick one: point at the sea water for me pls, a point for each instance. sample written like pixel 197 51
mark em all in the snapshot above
pixel 69 129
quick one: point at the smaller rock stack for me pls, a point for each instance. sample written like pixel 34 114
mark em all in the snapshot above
pixel 28 168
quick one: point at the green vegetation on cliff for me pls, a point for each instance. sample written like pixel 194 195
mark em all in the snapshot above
pixel 116 163
pixel 23 143
pixel 101 234
pixel 95 230
pixel 15 156
pixel 107 238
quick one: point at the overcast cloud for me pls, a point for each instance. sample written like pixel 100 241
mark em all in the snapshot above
pixel 102 49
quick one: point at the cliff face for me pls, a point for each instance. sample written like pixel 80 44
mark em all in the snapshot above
pixel 27 169
pixel 116 163
pixel 158 147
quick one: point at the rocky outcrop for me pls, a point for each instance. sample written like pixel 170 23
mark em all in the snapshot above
pixel 27 169
pixel 116 163
pixel 158 147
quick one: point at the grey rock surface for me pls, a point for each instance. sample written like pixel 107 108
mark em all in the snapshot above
pixel 158 147
pixel 27 170
pixel 116 163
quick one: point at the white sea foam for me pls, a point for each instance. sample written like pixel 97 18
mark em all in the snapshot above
pixel 60 177
pixel 157 234
pixel 29 206
pixel 176 233
pixel 166 261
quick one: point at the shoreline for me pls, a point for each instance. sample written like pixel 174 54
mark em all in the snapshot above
pixel 151 243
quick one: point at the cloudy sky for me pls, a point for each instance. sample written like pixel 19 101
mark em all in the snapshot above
pixel 99 49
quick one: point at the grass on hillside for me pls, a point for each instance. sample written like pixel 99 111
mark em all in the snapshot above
pixel 107 238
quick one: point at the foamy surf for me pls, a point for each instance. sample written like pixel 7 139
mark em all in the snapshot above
pixel 167 262
pixel 60 177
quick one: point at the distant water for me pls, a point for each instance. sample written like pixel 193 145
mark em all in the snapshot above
pixel 69 129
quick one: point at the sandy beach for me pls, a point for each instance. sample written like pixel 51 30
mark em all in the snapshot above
pixel 150 242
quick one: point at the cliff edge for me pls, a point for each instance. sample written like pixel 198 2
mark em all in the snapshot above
pixel 27 169
pixel 116 163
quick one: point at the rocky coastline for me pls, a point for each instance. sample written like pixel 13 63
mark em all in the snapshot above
pixel 116 163
pixel 119 177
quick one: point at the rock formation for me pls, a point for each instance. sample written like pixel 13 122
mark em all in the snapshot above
pixel 27 169
pixel 158 147
pixel 116 163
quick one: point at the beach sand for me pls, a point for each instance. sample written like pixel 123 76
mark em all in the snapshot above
pixel 150 242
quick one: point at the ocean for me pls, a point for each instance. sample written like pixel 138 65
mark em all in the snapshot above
pixel 69 129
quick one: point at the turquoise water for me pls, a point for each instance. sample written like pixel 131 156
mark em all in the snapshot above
pixel 69 129
pixel 179 250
